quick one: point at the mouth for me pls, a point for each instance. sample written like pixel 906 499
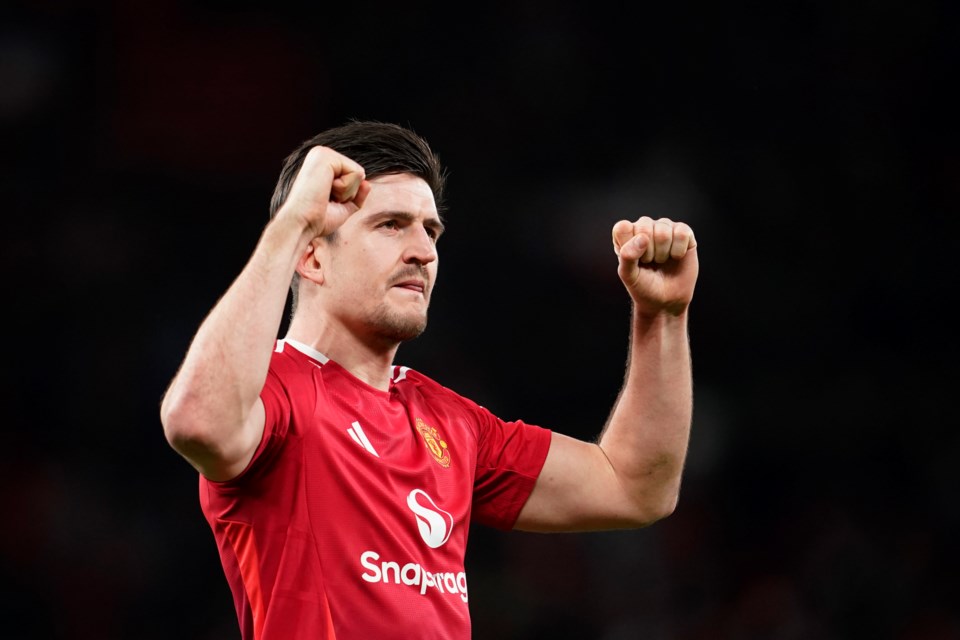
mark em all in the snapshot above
pixel 417 286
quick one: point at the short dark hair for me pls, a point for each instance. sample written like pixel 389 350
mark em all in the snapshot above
pixel 381 148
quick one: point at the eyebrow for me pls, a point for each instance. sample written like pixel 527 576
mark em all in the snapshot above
pixel 431 223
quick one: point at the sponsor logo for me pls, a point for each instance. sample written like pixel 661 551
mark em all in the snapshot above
pixel 435 526
pixel 435 444
pixel 434 523
pixel 412 574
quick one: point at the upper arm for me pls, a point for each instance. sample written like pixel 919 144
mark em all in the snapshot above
pixel 219 455
pixel 579 490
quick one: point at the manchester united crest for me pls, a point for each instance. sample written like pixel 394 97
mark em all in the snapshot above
pixel 435 444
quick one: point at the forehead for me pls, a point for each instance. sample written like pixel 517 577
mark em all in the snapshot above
pixel 401 192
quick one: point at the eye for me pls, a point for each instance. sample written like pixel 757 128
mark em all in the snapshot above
pixel 389 224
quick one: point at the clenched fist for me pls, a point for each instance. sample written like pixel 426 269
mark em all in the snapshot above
pixel 328 189
pixel 658 263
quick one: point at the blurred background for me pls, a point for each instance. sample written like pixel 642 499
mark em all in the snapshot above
pixel 812 145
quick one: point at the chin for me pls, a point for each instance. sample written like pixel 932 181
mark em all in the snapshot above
pixel 411 330
pixel 396 328
pixel 403 334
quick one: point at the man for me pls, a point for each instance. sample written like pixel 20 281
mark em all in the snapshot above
pixel 339 486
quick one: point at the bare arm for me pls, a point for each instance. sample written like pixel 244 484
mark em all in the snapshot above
pixel 211 412
pixel 631 477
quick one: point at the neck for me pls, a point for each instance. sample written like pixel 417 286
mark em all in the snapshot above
pixel 371 361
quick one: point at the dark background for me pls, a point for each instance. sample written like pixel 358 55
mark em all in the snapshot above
pixel 812 145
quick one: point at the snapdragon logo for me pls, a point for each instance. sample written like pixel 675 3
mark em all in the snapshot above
pixel 435 526
pixel 412 574
pixel 434 523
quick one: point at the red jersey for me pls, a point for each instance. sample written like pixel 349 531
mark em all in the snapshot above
pixel 351 521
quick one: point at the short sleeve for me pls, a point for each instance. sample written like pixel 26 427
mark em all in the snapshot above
pixel 277 419
pixel 510 456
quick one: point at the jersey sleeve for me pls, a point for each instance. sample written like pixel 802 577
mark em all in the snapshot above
pixel 278 412
pixel 510 456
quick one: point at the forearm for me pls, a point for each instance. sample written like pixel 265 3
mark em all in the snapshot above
pixel 646 436
pixel 226 364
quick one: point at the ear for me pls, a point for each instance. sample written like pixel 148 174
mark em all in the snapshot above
pixel 310 264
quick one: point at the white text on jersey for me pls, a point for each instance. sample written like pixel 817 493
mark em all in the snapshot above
pixel 413 575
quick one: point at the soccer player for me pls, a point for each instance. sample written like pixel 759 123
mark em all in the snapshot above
pixel 339 486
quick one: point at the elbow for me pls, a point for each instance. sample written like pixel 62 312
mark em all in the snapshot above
pixel 652 513
pixel 664 488
pixel 665 507
pixel 216 446
pixel 184 432
pixel 652 508
pixel 650 493
pixel 191 437
pixel 175 429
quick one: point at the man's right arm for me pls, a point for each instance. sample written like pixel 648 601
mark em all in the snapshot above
pixel 211 412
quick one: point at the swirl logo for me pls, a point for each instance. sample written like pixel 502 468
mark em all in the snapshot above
pixel 434 523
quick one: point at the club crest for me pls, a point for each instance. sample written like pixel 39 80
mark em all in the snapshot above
pixel 435 444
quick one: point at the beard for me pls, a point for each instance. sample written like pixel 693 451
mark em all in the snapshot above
pixel 391 326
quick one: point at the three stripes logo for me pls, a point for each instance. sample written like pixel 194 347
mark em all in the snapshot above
pixel 356 432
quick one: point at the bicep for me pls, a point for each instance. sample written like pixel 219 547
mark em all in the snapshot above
pixel 577 490
pixel 227 457
pixel 247 442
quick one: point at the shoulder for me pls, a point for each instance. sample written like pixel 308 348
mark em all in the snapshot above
pixel 412 381
pixel 291 367
pixel 407 379
pixel 290 357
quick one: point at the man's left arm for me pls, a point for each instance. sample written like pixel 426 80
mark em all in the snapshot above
pixel 631 476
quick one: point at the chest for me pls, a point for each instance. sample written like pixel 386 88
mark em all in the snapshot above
pixel 387 456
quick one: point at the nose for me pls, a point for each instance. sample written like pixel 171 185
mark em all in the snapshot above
pixel 421 248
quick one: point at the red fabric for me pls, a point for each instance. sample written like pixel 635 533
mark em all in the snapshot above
pixel 352 520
